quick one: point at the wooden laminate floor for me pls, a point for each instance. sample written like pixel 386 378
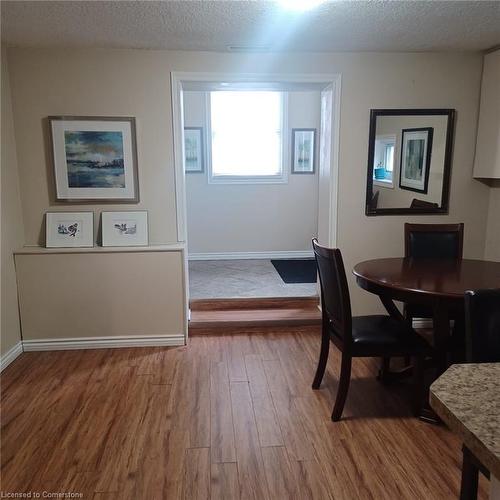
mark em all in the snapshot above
pixel 227 417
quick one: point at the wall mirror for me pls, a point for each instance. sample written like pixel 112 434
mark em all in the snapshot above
pixel 409 161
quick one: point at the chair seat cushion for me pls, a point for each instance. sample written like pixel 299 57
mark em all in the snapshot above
pixel 381 335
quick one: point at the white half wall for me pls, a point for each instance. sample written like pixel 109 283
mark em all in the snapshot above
pixel 224 218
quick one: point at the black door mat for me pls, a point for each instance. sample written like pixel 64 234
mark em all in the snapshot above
pixel 296 270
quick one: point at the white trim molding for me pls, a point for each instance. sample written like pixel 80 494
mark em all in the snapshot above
pixel 10 355
pixel 179 80
pixel 304 254
pixel 103 342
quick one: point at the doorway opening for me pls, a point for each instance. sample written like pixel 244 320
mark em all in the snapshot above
pixel 256 178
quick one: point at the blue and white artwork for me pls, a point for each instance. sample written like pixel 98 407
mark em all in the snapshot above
pixel 94 159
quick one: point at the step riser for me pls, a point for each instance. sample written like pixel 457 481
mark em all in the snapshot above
pixel 251 330
pixel 264 303
pixel 256 323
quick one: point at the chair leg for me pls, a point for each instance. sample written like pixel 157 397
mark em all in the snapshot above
pixel 323 358
pixel 419 382
pixel 384 370
pixel 470 473
pixel 409 320
pixel 458 341
pixel 345 378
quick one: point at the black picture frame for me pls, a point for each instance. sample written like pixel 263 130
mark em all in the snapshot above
pixel 427 161
pixel 371 208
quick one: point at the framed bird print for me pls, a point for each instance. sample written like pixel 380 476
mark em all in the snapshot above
pixel 69 229
pixel 124 229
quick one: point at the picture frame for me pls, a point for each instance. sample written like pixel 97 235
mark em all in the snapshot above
pixel 303 150
pixel 94 158
pixel 415 164
pixel 194 157
pixel 69 229
pixel 124 229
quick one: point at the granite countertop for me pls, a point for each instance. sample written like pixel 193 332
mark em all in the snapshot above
pixel 467 398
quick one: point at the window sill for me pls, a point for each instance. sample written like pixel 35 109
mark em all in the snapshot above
pixel 247 180
pixel 383 183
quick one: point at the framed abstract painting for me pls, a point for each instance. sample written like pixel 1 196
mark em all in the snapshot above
pixel 69 229
pixel 303 150
pixel 193 150
pixel 416 147
pixel 95 158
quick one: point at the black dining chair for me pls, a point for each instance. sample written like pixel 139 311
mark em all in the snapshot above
pixel 482 341
pixel 362 336
pixel 482 326
pixel 434 241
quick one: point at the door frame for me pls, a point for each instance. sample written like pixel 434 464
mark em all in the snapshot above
pixel 178 79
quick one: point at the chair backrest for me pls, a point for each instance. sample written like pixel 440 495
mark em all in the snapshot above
pixel 335 300
pixel 482 326
pixel 416 203
pixel 434 241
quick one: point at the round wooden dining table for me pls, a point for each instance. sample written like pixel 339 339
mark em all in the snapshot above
pixel 436 283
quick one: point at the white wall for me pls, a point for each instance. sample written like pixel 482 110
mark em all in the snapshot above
pixel 136 82
pixel 12 222
pixel 253 217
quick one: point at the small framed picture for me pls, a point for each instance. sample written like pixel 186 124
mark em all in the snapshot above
pixel 124 229
pixel 95 158
pixel 193 150
pixel 416 151
pixel 69 229
pixel 303 150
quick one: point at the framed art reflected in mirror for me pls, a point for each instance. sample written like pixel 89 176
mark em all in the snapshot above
pixel 409 161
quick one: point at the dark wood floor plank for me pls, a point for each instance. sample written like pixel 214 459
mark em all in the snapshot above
pixel 291 426
pixel 198 394
pixel 221 415
pixel 224 482
pixel 251 475
pixel 265 413
pixel 280 475
pixel 197 474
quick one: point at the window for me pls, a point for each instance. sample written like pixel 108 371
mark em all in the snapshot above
pixel 383 167
pixel 246 136
pixel 389 158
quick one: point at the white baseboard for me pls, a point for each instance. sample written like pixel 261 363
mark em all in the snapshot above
pixel 102 342
pixel 292 254
pixel 10 355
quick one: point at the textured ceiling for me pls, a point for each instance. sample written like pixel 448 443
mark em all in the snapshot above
pixel 215 25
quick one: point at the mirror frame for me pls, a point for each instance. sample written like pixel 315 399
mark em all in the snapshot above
pixel 445 196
